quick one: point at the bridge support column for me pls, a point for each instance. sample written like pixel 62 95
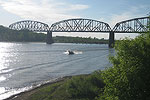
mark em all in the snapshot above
pixel 111 39
pixel 49 39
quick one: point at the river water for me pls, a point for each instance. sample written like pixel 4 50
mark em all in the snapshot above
pixel 24 65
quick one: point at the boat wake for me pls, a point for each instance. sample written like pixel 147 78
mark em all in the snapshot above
pixel 78 52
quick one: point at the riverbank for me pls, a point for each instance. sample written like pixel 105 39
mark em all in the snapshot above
pixel 24 95
pixel 66 88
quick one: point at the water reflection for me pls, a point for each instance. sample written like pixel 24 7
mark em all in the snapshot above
pixel 2 78
pixel 5 59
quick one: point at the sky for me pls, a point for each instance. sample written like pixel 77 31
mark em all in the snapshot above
pixel 50 11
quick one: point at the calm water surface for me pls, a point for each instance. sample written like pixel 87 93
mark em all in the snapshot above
pixel 24 65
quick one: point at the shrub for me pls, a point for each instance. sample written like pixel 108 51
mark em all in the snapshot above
pixel 85 87
pixel 129 78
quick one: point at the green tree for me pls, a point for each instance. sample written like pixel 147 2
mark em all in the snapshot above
pixel 129 78
pixel 7 34
pixel 85 87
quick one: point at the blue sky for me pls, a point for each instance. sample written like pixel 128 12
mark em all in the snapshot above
pixel 50 11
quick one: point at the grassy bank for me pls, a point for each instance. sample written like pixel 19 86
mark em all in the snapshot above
pixel 81 87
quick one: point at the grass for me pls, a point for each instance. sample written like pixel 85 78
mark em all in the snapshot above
pixel 81 87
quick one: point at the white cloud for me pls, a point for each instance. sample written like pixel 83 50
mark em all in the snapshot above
pixel 118 18
pixel 48 11
pixel 132 13
pixel 78 7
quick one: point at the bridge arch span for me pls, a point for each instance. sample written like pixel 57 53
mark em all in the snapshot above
pixel 30 25
pixel 80 25
pixel 136 25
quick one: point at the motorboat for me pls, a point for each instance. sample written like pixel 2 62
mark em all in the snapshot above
pixel 69 52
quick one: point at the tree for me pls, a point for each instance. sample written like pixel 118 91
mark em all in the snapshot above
pixel 129 78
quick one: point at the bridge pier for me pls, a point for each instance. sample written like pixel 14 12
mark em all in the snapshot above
pixel 49 39
pixel 111 39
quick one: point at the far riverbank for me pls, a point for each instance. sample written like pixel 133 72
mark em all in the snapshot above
pixel 9 35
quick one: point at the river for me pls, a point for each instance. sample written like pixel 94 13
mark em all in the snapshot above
pixel 24 65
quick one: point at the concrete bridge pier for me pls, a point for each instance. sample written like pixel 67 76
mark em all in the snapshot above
pixel 49 39
pixel 111 39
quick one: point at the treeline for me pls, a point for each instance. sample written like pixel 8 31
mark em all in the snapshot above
pixel 8 35
pixel 63 39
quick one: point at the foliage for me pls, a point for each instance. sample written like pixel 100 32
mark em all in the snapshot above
pixel 85 87
pixel 63 39
pixel 20 36
pixel 44 93
pixel 81 87
pixel 129 77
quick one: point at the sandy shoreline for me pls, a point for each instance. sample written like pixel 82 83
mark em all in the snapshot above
pixel 23 95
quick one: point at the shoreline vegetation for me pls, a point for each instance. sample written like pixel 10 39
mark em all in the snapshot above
pixel 23 95
pixel 8 35
pixel 64 89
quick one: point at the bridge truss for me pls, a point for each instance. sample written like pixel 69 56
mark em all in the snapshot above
pixel 30 25
pixel 137 25
pixel 80 25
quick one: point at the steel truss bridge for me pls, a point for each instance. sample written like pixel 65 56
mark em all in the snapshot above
pixel 137 25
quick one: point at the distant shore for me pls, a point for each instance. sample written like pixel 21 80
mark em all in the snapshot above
pixel 8 35
pixel 45 42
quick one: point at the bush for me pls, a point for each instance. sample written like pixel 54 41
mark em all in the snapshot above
pixel 85 87
pixel 129 78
